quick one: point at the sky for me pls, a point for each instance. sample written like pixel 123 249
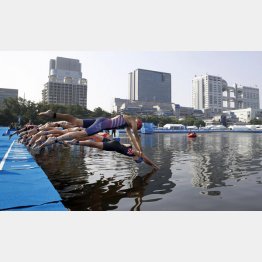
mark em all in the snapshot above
pixel 107 71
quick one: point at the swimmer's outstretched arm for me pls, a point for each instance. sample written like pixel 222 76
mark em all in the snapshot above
pixel 133 136
pixel 134 139
pixel 20 131
pixel 16 132
pixel 72 135
pixel 46 133
pixel 146 159
pixel 88 143
pixel 99 145
pixel 79 135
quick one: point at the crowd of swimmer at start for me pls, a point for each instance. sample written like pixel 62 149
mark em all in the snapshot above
pixel 85 132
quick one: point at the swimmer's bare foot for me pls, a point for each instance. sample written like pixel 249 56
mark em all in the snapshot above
pixel 48 113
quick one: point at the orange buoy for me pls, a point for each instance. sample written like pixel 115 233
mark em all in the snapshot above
pixel 192 134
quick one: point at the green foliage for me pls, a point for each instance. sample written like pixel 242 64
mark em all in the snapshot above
pixel 98 111
pixel 256 122
pixel 192 121
pixel 189 121
pixel 12 109
pixel 160 120
pixel 26 110
pixel 199 123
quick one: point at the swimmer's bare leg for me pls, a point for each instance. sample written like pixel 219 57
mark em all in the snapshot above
pixel 69 118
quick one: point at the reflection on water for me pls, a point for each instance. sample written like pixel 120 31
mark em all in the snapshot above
pixel 218 171
pixel 223 157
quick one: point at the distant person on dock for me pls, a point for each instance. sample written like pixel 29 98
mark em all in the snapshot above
pixel 114 132
pixel 94 125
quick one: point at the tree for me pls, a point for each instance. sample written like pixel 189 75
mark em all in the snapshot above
pixel 189 121
pixel 256 122
pixel 199 123
pixel 13 109
pixel 98 111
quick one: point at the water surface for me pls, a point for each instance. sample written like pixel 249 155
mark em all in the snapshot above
pixel 215 171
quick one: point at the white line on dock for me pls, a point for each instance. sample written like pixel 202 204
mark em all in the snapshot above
pixel 5 157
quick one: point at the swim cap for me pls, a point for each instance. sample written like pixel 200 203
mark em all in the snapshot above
pixel 104 134
pixel 139 123
pixel 139 160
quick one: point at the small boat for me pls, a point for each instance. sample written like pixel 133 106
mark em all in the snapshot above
pixel 191 135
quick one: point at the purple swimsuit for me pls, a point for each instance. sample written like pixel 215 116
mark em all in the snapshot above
pixel 93 126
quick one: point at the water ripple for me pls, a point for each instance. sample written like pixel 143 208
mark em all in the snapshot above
pixel 190 171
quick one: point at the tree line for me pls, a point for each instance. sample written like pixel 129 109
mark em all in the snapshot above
pixel 22 111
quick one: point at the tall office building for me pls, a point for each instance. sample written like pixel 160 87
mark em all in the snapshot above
pixel 207 93
pixel 65 85
pixel 149 86
pixel 213 93
pixel 6 93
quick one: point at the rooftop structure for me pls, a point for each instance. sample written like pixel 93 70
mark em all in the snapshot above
pixel 212 94
pixel 65 85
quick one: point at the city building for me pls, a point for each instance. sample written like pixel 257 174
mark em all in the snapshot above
pixel 182 112
pixel 235 117
pixel 212 95
pixel 149 86
pixel 65 85
pixel 118 103
pixel 240 97
pixel 7 93
pixel 131 107
pixel 149 93
pixel 242 115
pixel 207 93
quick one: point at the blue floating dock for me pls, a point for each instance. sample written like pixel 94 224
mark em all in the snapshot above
pixel 23 184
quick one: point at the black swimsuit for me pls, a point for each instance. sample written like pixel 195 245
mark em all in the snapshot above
pixel 118 147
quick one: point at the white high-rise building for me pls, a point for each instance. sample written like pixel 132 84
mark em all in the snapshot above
pixel 66 85
pixel 212 93
pixel 207 93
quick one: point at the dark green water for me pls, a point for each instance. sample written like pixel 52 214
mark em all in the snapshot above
pixel 217 171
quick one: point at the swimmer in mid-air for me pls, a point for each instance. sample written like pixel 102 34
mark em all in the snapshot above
pixel 94 125
pixel 112 145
